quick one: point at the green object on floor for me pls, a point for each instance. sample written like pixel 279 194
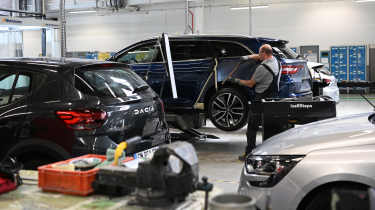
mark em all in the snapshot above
pixel 101 204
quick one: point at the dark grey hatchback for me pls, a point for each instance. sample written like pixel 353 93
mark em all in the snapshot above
pixel 53 109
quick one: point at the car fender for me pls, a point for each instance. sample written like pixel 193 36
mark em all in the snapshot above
pixel 346 164
pixel 48 147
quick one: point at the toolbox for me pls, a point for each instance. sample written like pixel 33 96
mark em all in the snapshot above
pixel 66 181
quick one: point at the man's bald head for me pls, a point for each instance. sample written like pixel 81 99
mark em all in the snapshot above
pixel 266 49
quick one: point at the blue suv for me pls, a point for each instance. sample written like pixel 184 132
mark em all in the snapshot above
pixel 201 63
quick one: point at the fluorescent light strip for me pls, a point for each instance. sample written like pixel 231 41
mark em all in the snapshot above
pixel 253 7
pixel 362 1
pixel 80 12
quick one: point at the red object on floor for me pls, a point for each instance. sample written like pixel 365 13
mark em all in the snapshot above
pixel 68 182
pixel 6 185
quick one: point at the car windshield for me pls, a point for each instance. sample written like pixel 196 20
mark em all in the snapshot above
pixel 113 82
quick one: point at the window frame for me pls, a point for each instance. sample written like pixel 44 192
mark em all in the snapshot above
pixel 139 45
pixel 12 90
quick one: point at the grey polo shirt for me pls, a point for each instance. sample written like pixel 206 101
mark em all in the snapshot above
pixel 263 78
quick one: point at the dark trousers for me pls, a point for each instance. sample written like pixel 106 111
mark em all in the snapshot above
pixel 253 123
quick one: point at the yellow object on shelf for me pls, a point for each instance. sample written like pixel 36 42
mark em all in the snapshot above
pixel 119 150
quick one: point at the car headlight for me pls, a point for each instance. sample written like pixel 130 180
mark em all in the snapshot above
pixel 268 170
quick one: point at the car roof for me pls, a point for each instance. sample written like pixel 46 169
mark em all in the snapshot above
pixel 55 64
pixel 224 37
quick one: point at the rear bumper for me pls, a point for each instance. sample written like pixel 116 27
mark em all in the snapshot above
pixel 100 144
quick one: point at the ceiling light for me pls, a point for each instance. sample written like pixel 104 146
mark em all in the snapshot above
pixel 253 7
pixel 361 1
pixel 81 12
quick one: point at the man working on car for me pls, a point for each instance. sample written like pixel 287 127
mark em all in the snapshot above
pixel 265 80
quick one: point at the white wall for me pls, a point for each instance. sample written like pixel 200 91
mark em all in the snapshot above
pixel 112 33
pixel 324 23
pixel 32 43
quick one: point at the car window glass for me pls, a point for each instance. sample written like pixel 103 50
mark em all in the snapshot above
pixel 142 54
pixel 189 50
pixel 289 53
pixel 113 82
pixel 6 84
pixel 22 87
pixel 277 52
pixel 229 49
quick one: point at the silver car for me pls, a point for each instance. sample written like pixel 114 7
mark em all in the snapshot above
pixel 310 166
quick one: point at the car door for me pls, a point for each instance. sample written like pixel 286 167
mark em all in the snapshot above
pixel 192 64
pixel 145 60
pixel 15 88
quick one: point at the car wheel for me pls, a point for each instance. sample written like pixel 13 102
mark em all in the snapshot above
pixel 228 109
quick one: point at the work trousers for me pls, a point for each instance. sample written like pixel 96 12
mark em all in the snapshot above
pixel 253 123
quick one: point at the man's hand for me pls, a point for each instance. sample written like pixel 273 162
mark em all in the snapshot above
pixel 244 58
pixel 234 80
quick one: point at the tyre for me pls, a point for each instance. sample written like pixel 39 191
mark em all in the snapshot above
pixel 228 109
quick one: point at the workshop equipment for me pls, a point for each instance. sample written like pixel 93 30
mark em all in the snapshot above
pixel 9 176
pixel 163 181
pixel 55 179
pixel 279 115
pixel 231 201
pixel 169 176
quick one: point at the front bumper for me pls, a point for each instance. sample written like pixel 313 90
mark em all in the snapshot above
pixel 332 91
pixel 281 196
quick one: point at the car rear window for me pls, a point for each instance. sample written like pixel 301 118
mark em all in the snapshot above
pixel 109 82
pixel 289 52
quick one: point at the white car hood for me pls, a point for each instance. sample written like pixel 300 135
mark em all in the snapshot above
pixel 337 132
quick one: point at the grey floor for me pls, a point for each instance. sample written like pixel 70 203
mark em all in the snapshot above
pixel 218 159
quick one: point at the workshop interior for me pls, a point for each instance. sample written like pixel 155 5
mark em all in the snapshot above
pixel 187 104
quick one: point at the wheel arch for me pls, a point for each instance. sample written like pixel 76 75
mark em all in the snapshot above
pixel 350 180
pixel 38 146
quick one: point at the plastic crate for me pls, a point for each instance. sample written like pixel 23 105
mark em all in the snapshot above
pixel 69 182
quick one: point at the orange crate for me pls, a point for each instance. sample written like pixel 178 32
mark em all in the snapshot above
pixel 69 182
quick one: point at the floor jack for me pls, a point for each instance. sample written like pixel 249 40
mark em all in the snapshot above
pixel 191 135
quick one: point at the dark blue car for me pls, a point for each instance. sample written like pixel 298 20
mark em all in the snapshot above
pixel 199 77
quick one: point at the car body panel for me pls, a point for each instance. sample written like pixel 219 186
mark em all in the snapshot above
pixel 319 135
pixel 336 150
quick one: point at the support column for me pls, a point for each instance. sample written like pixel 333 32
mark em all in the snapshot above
pixel 44 42
pixel 62 28
pixel 250 20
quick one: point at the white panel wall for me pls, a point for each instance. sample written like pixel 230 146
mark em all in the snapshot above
pixel 324 23
pixel 112 33
pixel 32 43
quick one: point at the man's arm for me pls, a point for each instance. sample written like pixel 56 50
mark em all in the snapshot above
pixel 249 83
pixel 253 56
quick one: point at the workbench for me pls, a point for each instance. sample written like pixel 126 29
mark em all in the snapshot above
pixel 30 196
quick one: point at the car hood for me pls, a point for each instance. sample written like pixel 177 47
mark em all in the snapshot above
pixel 337 132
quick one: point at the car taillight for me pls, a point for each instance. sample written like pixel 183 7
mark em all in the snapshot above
pixel 162 105
pixel 326 81
pixel 290 69
pixel 82 119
